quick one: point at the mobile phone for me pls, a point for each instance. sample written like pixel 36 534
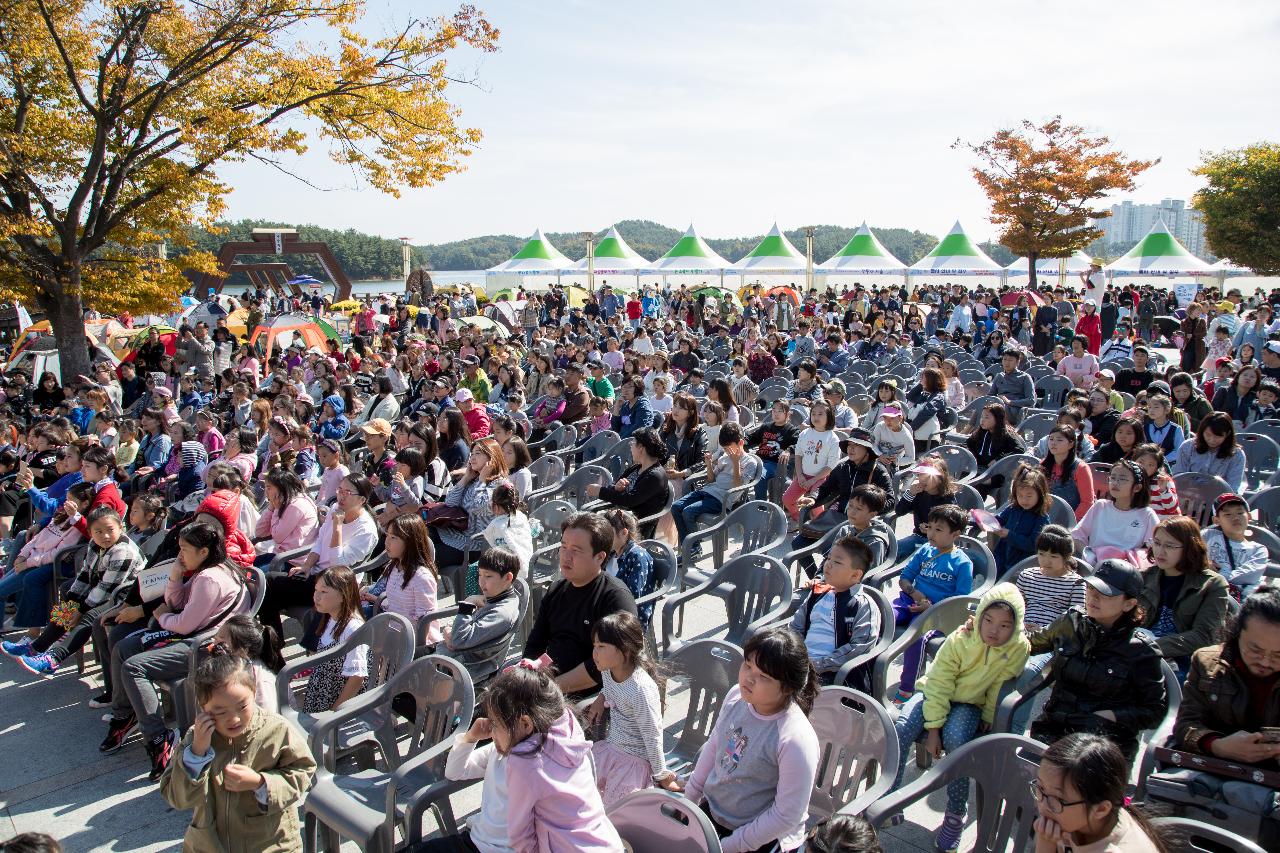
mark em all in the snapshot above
pixel 1270 735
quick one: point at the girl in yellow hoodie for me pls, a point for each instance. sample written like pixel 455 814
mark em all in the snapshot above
pixel 961 692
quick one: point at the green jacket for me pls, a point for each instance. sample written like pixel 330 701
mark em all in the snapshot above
pixel 1199 612
pixel 227 822
pixel 969 672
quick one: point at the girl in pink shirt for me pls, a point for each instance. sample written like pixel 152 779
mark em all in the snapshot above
pixel 410 577
pixel 1080 367
pixel 290 520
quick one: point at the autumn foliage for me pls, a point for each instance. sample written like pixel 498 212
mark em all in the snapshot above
pixel 115 116
pixel 1045 182
pixel 1241 205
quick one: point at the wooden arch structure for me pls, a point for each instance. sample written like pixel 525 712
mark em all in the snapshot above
pixel 275 275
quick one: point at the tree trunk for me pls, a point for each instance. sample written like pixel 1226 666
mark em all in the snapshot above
pixel 1033 283
pixel 66 318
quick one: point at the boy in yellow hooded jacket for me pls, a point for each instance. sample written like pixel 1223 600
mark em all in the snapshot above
pixel 961 692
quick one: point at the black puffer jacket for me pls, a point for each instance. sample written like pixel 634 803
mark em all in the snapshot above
pixel 1095 669
pixel 845 477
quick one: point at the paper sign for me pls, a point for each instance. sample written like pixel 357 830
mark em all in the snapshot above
pixel 985 520
pixel 152 581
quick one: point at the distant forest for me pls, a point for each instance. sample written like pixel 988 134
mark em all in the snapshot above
pixel 366 256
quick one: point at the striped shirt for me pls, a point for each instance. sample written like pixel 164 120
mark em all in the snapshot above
pixel 1164 496
pixel 635 718
pixel 1048 597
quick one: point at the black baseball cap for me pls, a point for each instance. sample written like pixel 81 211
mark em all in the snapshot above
pixel 1116 577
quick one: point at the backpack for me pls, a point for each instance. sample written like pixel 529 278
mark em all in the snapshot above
pixel 947 418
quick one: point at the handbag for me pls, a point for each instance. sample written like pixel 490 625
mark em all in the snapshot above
pixel 440 514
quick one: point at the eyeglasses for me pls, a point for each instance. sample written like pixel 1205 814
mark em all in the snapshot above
pixel 1054 804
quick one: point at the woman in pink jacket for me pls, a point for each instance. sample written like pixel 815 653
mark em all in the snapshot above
pixel 290 520
pixel 539 793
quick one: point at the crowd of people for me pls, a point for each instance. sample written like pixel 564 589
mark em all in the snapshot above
pixel 138 503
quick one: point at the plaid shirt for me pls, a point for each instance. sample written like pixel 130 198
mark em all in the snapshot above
pixel 104 571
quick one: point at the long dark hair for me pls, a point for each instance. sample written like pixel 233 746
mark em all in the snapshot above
pixel 287 483
pixel 1068 464
pixel 519 692
pixel 1221 424
pixel 342 580
pixel 254 640
pixel 625 633
pixel 418 551
pixel 1097 768
pixel 455 426
pixel 780 654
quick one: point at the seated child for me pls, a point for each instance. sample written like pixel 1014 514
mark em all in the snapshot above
pixel 601 419
pixel 146 519
pixel 337 600
pixel 1023 519
pixel 485 623
pixel 755 772
pixel 548 410
pixel 837 620
pixel 631 564
pixel 539 790
pixel 1240 561
pixel 243 636
pixel 243 771
pixel 111 562
pixel 1119 527
pixel 961 691
pixel 1263 406
pixel 1164 494
pixel 866 502
pixel 630 756
pixel 937 570
pixel 1052 586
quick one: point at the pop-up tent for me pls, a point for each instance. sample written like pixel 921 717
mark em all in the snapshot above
pixel 1159 254
pixel 956 254
pixel 863 255
pixel 774 254
pixel 1048 268
pixel 537 256
pixel 1225 269
pixel 690 254
pixel 612 255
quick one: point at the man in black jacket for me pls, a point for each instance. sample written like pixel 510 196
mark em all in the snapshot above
pixel 583 596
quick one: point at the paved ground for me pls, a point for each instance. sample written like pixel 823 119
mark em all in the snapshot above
pixel 53 778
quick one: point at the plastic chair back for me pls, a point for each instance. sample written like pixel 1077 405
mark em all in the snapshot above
pixel 1052 390
pixel 1261 460
pixel 945 616
pixel 960 462
pixel 545 471
pixel 710 669
pixel 1060 512
pixel 1193 834
pixel 1270 427
pixel 653 820
pixel 1101 472
pixel 1002 767
pixel 1037 426
pixel 574 487
pixel 1004 467
pixel 1266 505
pixel 596 446
pixel 967 497
pixel 551 515
pixel 857 743
pixel 616 459
pixel 1196 494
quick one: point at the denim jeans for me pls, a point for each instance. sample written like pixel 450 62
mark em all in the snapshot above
pixel 31 590
pixel 762 487
pixel 908 545
pixel 686 510
pixel 960 728
pixel 1022 716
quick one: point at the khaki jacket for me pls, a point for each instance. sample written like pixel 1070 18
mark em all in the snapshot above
pixel 1199 613
pixel 227 822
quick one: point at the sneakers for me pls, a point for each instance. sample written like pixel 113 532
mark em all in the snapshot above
pixel 43 664
pixel 117 732
pixel 160 750
pixel 102 700
pixel 948 837
pixel 19 649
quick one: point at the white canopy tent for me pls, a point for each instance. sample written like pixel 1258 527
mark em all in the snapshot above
pixel 956 255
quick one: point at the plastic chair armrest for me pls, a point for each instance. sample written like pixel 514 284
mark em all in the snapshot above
pixel 327 722
pixel 669 608
pixel 285 677
pixel 1016 699
pixel 281 563
pixel 425 620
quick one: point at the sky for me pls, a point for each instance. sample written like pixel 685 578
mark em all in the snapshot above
pixel 734 115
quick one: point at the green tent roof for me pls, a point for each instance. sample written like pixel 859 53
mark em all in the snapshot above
pixel 864 253
pixel 1159 253
pixel 537 255
pixel 690 253
pixel 956 254
pixel 612 254
pixel 774 252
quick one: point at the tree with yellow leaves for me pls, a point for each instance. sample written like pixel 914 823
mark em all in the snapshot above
pixel 115 116
pixel 1241 205
pixel 1043 182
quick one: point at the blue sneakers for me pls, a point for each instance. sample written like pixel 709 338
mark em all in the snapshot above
pixel 39 664
pixel 18 649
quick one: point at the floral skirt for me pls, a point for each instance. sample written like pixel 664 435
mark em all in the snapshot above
pixel 618 773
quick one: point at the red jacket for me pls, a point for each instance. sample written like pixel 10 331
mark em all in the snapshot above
pixel 224 505
pixel 108 495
